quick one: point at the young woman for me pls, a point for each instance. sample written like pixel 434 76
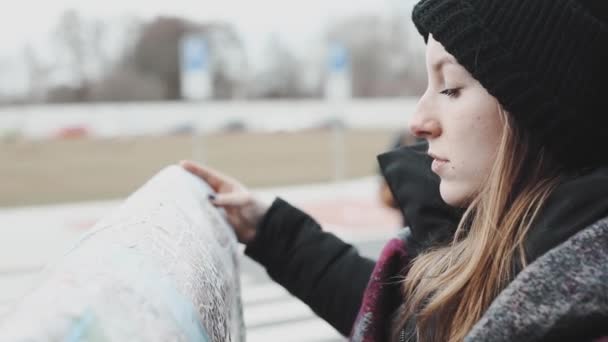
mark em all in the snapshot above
pixel 507 206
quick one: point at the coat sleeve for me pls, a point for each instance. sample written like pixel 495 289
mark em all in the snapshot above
pixel 324 272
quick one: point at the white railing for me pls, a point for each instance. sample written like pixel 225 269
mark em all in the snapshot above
pixel 110 120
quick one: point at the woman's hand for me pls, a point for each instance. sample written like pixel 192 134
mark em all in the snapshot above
pixel 244 211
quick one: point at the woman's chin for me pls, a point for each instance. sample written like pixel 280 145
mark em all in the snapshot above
pixel 453 195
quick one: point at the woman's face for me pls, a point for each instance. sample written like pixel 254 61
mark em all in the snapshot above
pixel 462 124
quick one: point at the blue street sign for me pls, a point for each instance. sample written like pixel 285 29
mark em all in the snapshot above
pixel 338 58
pixel 195 54
pixel 195 76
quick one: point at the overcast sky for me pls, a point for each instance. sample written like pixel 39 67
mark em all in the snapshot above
pixel 27 20
pixel 30 22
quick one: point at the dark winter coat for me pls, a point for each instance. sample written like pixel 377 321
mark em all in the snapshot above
pixel 562 295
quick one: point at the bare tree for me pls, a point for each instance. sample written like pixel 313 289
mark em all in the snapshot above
pixel 82 52
pixel 156 53
pixel 37 75
pixel 229 65
pixel 126 84
pixel 281 76
pixel 72 44
pixel 382 63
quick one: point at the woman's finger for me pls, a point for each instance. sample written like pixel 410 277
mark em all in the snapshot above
pixel 229 199
pixel 212 177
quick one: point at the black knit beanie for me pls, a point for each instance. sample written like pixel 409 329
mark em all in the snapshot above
pixel 546 61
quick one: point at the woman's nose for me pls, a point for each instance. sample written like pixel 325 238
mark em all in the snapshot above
pixel 423 125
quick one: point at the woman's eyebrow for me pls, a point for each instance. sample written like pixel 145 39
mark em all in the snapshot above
pixel 443 61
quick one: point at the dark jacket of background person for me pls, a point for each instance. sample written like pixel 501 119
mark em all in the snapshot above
pixel 402 138
pixel 562 295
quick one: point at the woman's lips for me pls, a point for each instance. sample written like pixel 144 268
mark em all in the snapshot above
pixel 438 163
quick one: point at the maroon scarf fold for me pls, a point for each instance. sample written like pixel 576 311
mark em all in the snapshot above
pixel 382 295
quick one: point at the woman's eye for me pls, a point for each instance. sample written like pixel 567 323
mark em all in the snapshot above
pixel 450 92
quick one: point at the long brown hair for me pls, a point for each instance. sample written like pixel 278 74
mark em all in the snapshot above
pixel 448 289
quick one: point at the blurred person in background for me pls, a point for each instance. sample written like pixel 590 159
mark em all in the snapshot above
pixel 507 236
pixel 401 139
